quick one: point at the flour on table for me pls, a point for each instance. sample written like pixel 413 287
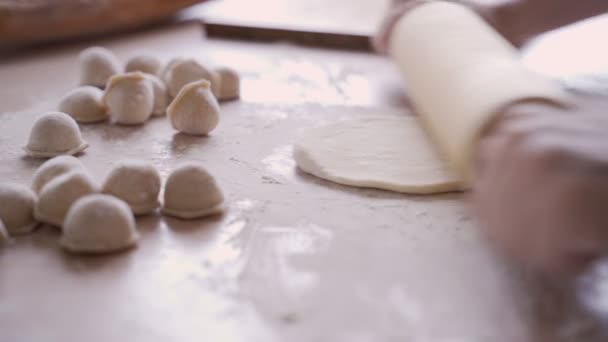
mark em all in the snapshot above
pixel 386 153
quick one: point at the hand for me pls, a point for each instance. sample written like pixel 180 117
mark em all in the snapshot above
pixel 541 186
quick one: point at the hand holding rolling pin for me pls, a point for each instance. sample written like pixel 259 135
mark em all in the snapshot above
pixel 542 184
pixel 540 169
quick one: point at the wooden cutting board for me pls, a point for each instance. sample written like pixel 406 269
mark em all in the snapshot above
pixel 339 24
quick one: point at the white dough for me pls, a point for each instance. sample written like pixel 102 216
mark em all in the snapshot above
pixel 137 183
pixel 58 195
pixel 54 168
pixel 161 95
pixel 99 224
pixel 184 71
pixel 55 134
pixel 129 98
pixel 229 88
pixel 191 192
pixel 84 104
pixel 144 63
pixel 164 74
pixel 97 66
pixel 17 208
pixel 381 152
pixel 460 73
pixel 195 110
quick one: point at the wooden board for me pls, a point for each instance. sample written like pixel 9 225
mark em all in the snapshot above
pixel 345 24
pixel 37 21
pixel 294 258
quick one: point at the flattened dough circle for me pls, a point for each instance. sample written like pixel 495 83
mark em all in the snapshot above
pixel 380 152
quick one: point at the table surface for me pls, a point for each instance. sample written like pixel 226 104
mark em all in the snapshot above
pixel 294 258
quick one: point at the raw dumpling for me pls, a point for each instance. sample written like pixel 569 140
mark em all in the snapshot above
pixel 129 98
pixel 195 110
pixel 164 75
pixel 191 192
pixel 99 224
pixel 17 208
pixel 182 72
pixel 97 66
pixel 84 104
pixel 53 168
pixel 55 134
pixel 137 183
pixel 144 63
pixel 161 96
pixel 229 84
pixel 58 195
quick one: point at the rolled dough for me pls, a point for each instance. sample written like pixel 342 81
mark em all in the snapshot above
pixel 380 152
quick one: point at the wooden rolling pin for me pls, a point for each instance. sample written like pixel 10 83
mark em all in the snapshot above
pixel 26 22
pixel 460 74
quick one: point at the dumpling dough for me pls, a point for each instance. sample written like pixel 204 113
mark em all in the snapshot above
pixel 17 208
pixel 229 81
pixel 191 192
pixel 58 195
pixel 137 183
pixel 161 95
pixel 387 153
pixel 195 110
pixel 54 168
pixel 129 98
pixel 99 224
pixel 84 104
pixel 97 66
pixel 55 134
pixel 184 71
pixel 145 63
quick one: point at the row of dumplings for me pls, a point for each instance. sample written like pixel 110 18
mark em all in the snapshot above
pixel 185 90
pixel 98 219
pixel 143 88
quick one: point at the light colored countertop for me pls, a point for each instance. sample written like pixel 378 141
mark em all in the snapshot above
pixel 294 258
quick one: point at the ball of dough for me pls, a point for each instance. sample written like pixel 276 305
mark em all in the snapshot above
pixel 137 183
pixel 229 84
pixel 185 71
pixel 99 224
pixel 54 168
pixel 97 66
pixel 58 195
pixel 17 208
pixel 144 63
pixel 164 75
pixel 54 134
pixel 84 104
pixel 161 96
pixel 129 98
pixel 191 192
pixel 4 238
pixel 195 110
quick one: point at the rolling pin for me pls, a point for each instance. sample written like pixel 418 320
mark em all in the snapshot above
pixel 460 73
